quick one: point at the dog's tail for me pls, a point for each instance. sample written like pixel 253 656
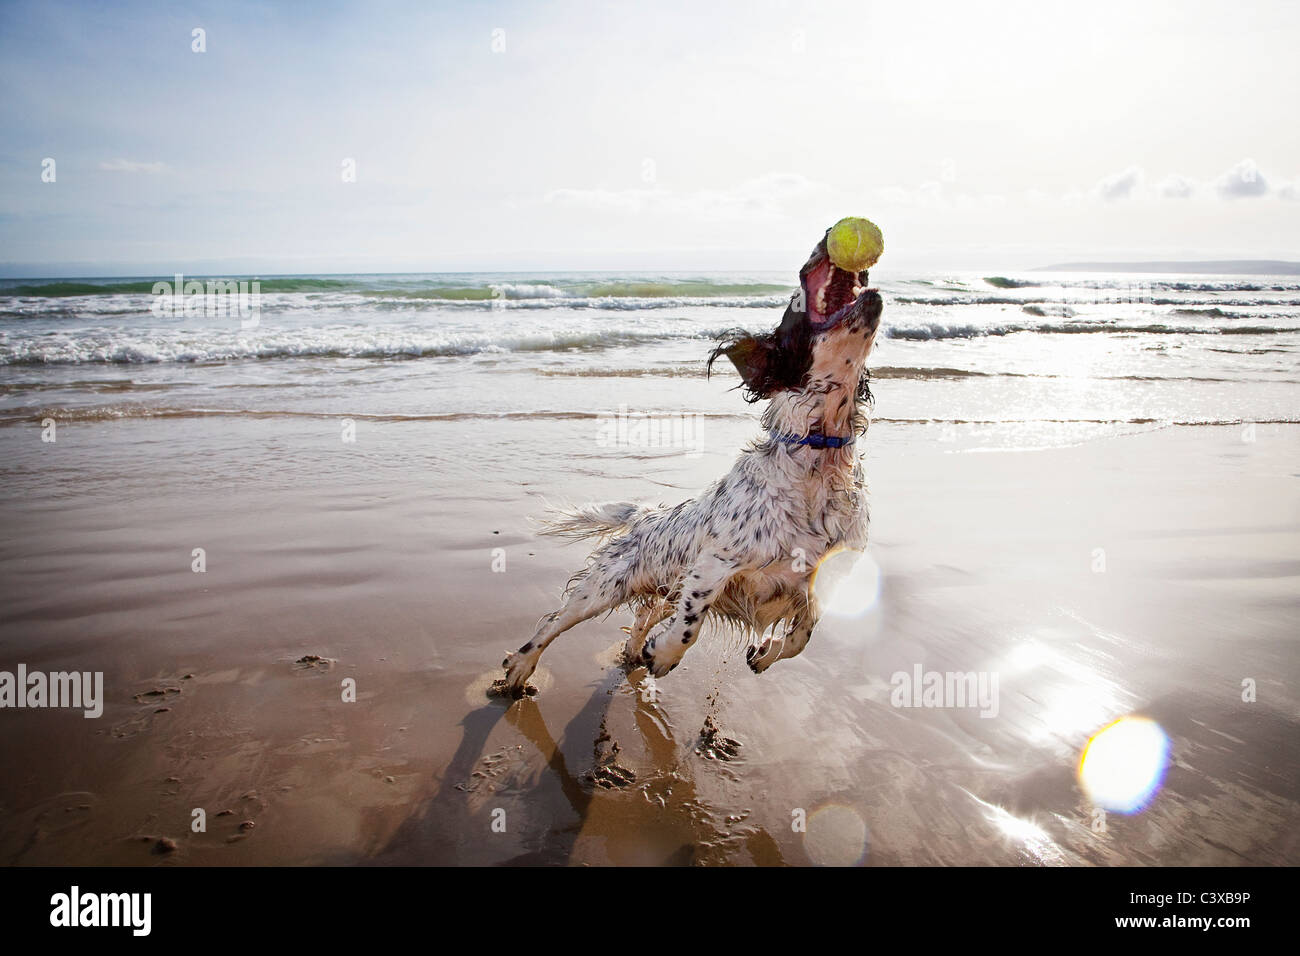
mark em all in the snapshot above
pixel 592 521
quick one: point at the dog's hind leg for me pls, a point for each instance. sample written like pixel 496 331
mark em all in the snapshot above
pixel 702 583
pixel 645 620
pixel 603 586
pixel 796 638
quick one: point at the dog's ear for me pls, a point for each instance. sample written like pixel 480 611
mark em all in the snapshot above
pixel 769 363
pixel 752 357
pixel 755 358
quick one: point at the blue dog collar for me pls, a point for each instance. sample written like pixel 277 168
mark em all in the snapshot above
pixel 815 440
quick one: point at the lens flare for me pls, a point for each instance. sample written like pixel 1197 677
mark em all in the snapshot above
pixel 846 583
pixel 837 836
pixel 1124 764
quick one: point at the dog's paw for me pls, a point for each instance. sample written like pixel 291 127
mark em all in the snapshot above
pixel 762 656
pixel 519 667
pixel 659 658
pixel 633 649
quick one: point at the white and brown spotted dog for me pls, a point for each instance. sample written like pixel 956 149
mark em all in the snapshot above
pixel 743 552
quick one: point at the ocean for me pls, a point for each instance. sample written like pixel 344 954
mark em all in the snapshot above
pixel 1019 360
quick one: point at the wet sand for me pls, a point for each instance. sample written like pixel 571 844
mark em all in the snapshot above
pixel 378 559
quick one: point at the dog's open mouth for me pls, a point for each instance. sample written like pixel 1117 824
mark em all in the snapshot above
pixel 832 293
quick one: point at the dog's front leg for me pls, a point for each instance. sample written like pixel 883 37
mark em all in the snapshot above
pixel 701 584
pixel 645 620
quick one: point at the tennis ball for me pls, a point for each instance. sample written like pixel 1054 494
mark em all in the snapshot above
pixel 855 244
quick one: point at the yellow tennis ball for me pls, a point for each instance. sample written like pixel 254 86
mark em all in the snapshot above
pixel 855 244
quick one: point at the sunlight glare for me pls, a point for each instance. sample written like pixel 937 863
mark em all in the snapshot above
pixel 847 583
pixel 1124 763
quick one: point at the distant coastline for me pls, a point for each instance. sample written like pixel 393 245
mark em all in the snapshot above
pixel 1242 267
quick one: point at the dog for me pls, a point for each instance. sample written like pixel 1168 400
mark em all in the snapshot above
pixel 743 553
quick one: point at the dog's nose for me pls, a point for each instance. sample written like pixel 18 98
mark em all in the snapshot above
pixel 874 304
pixel 866 311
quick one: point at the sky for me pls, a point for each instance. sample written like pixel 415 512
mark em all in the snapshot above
pixel 693 136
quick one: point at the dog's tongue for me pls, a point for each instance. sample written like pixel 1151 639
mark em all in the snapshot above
pixel 830 291
pixel 818 278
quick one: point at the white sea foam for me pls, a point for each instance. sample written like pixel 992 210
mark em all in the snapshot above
pixel 951 347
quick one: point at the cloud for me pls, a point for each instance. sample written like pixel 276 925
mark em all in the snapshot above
pixel 936 195
pixel 927 195
pixel 1243 181
pixel 763 197
pixel 621 200
pixel 1176 187
pixel 132 166
pixel 1119 185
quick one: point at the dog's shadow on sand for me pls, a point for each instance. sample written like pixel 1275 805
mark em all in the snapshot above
pixel 455 826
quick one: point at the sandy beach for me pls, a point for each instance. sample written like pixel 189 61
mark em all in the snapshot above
pixel 380 558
